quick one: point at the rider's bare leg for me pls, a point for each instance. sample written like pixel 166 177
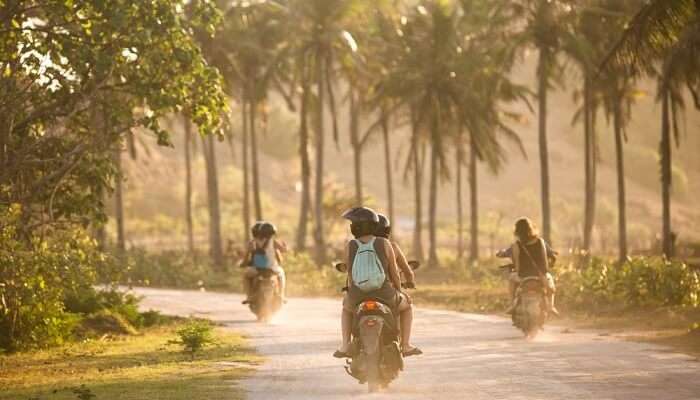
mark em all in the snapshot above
pixel 346 328
pixel 513 282
pixel 406 317
pixel 248 276
pixel 406 325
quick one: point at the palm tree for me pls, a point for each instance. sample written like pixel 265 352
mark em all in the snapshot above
pixel 486 61
pixel 668 31
pixel 215 242
pixel 421 77
pixel 544 24
pixel 459 165
pixel 188 183
pixel 322 34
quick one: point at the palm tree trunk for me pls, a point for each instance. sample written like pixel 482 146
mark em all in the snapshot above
pixel 305 207
pixel 188 185
pixel 474 197
pixel 588 168
pixel 542 78
pixel 387 166
pixel 418 191
pixel 666 174
pixel 432 206
pixel 356 148
pixel 255 167
pixel 621 196
pixel 245 169
pixel 215 248
pixel 119 202
pixel 319 238
pixel 460 213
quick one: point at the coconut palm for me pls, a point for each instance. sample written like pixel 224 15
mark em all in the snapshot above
pixel 668 31
pixel 542 25
pixel 486 61
pixel 449 85
pixel 322 33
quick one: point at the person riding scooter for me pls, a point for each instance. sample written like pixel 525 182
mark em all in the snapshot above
pixel 530 255
pixel 409 281
pixel 368 247
pixel 264 252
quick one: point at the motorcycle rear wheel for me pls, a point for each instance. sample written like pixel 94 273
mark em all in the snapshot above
pixel 374 383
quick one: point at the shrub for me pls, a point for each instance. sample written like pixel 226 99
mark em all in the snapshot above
pixel 640 282
pixel 194 336
pixel 35 273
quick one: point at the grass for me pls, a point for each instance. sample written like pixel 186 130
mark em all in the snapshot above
pixel 128 368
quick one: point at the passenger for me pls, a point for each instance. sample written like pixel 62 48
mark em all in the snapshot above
pixel 363 227
pixel 264 252
pixel 530 258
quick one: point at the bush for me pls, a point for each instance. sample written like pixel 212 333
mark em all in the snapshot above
pixel 35 273
pixel 105 322
pixel 640 282
pixel 194 336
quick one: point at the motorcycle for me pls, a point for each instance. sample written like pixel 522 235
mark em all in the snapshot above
pixel 375 349
pixel 530 311
pixel 267 295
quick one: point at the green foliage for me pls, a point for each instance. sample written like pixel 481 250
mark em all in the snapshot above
pixel 166 269
pixel 640 282
pixel 194 336
pixel 35 274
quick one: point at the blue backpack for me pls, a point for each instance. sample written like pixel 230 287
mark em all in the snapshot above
pixel 260 258
pixel 367 271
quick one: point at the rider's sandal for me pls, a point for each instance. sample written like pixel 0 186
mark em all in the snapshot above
pixel 413 351
pixel 341 354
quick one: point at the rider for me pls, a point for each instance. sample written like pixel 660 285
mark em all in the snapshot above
pixel 363 227
pixel 384 230
pixel 530 258
pixel 264 252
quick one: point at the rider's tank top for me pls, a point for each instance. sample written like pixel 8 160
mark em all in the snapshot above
pixel 526 266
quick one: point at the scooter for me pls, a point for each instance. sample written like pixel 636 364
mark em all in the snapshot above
pixel 375 348
pixel 267 295
pixel 530 312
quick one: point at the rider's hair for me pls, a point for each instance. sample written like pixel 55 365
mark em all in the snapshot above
pixel 363 228
pixel 382 231
pixel 525 229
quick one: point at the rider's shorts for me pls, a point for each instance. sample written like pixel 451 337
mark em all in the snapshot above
pixel 387 295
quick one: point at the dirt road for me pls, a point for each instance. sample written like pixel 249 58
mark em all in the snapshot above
pixel 466 357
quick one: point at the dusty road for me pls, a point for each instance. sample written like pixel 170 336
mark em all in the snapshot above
pixel 466 357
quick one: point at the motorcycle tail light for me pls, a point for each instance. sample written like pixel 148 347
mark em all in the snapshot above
pixel 371 322
pixel 370 305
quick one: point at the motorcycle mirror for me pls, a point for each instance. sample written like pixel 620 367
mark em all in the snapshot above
pixel 414 264
pixel 341 267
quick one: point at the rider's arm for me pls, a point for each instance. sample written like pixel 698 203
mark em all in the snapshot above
pixel 348 262
pixel 393 269
pixel 250 247
pixel 402 263
pixel 281 246
pixel 515 252
pixel 545 264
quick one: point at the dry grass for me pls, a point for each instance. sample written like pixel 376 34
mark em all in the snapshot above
pixel 128 368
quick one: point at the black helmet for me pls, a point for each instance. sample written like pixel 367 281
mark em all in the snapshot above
pixel 267 230
pixel 255 229
pixel 383 226
pixel 361 214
